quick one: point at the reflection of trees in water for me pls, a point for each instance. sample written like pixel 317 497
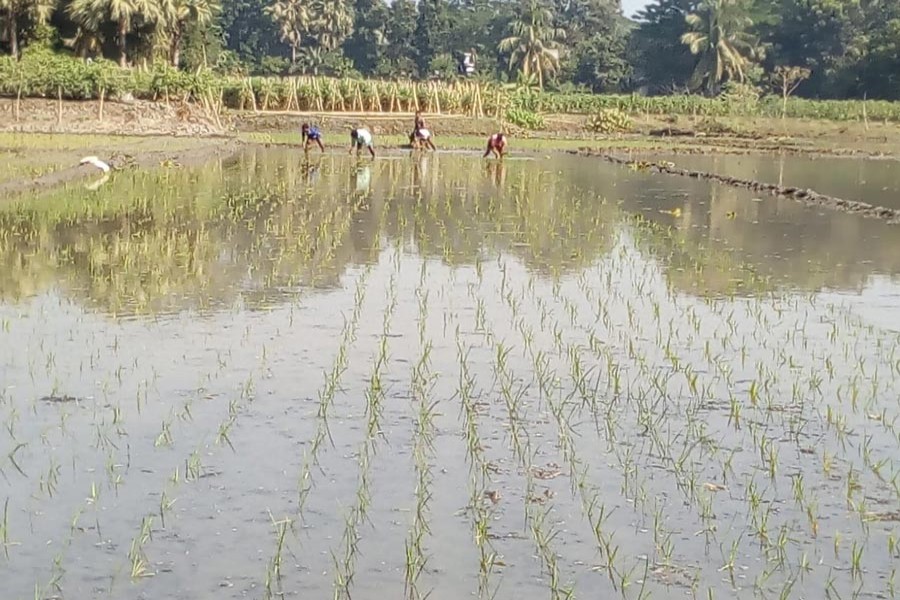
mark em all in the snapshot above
pixel 190 244
pixel 276 220
pixel 272 220
pixel 781 240
pixel 536 215
pixel 873 181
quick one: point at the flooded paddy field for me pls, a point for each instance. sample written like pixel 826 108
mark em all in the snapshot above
pixel 875 181
pixel 273 377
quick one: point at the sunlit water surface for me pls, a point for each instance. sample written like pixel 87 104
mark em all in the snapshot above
pixel 876 182
pixel 277 377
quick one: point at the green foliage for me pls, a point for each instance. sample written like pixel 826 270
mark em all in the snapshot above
pixel 366 46
pixel 533 44
pixel 741 98
pixel 882 69
pixel 597 56
pixel 45 74
pixel 524 118
pixel 442 66
pixel 432 28
pixel 400 32
pixel 849 47
pixel 600 62
pixel 660 60
pixel 42 73
pixel 609 120
pixel 248 32
pixel 823 35
pixel 719 36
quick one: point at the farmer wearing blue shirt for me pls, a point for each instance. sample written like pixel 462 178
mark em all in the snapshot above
pixel 309 135
pixel 359 138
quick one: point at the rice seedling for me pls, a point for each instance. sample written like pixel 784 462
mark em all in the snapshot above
pixel 274 565
pixel 5 539
pixel 423 449
pixel 479 475
pixel 643 408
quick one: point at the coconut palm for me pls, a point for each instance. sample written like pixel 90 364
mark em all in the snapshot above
pixel 293 20
pixel 718 36
pixel 90 15
pixel 180 13
pixel 533 42
pixel 331 22
pixel 11 11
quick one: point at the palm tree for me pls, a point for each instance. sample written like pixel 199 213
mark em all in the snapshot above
pixel 332 22
pixel 293 20
pixel 718 35
pixel 90 15
pixel 311 58
pixel 532 43
pixel 179 13
pixel 13 10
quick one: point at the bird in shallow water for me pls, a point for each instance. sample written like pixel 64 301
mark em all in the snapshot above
pixel 93 160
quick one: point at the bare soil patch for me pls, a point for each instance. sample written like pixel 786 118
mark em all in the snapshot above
pixel 122 118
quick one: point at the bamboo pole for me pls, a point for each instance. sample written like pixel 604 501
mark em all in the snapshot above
pixel 59 105
pixel 375 102
pixel 220 102
pixel 478 99
pixel 100 108
pixel 357 98
pixel 319 104
pixel 252 95
pixel 865 111
pixel 292 94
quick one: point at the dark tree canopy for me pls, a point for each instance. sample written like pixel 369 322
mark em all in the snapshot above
pixel 851 48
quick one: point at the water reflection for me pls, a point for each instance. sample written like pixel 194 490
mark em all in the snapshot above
pixel 267 222
pixel 867 180
pixel 96 184
pixel 311 167
pixel 496 172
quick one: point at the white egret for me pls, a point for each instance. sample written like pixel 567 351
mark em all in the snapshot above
pixel 93 160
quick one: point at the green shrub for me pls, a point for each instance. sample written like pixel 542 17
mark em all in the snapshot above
pixel 609 120
pixel 524 118
pixel 741 98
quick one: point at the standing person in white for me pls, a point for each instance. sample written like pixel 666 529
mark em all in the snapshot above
pixel 359 138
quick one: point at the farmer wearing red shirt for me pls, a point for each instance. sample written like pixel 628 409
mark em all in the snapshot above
pixel 497 145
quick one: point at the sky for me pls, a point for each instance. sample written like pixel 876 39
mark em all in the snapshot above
pixel 629 7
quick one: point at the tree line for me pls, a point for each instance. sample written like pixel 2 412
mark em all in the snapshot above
pixel 818 48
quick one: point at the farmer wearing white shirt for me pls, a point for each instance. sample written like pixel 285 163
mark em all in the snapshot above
pixel 359 138
pixel 421 137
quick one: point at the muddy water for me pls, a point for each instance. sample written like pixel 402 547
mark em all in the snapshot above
pixel 875 182
pixel 398 377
